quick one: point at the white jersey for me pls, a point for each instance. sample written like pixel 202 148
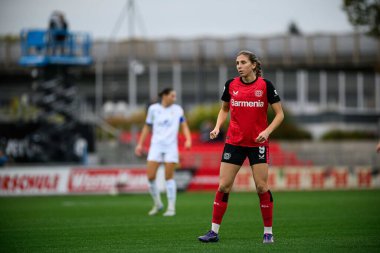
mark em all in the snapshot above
pixel 165 122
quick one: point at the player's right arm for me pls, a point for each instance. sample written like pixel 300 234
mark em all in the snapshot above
pixel 144 133
pixel 223 113
pixel 222 116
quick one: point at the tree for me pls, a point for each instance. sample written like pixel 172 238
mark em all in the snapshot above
pixel 365 14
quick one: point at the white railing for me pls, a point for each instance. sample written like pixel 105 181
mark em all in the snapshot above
pixel 285 50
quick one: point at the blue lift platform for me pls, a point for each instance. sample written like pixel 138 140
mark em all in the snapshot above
pixel 39 48
pixel 58 127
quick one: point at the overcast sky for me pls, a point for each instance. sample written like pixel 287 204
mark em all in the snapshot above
pixel 179 18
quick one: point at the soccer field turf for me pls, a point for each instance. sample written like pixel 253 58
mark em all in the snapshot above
pixel 337 221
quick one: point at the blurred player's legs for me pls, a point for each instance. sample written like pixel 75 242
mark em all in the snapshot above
pixel 155 210
pixel 260 176
pixel 153 190
pixel 171 192
pixel 155 193
pixel 171 188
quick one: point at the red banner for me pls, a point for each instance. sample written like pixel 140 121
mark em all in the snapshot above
pixel 66 180
pixel 36 181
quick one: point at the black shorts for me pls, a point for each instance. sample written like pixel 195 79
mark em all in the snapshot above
pixel 237 154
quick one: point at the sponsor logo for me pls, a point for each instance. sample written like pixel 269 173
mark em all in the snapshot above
pixel 265 206
pixel 275 93
pixel 235 92
pixel 164 123
pixel 29 182
pixel 92 180
pixel 227 156
pixel 261 156
pixel 238 103
pixel 259 93
pixel 107 180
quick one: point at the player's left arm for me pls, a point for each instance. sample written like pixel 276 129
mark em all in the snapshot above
pixel 274 101
pixel 186 131
pixel 278 118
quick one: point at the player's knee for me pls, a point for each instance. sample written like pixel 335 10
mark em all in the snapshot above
pixel 261 188
pixel 224 188
pixel 151 177
pixel 168 177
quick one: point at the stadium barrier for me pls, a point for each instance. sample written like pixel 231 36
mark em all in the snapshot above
pixel 294 178
pixel 113 180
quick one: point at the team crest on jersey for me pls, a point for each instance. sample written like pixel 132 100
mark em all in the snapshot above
pixel 259 93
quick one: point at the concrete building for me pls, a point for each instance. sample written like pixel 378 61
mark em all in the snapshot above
pixel 326 80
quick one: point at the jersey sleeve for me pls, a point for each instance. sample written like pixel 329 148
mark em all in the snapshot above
pixel 181 115
pixel 272 94
pixel 149 116
pixel 226 97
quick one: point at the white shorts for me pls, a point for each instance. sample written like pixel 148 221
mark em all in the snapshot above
pixel 161 153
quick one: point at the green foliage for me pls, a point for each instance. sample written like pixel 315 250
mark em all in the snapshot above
pixel 18 110
pixel 337 134
pixel 288 130
pixel 10 38
pixel 125 123
pixel 121 124
pixel 364 13
pixel 203 113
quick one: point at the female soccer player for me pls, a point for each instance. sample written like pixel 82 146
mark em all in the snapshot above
pixel 165 119
pixel 246 97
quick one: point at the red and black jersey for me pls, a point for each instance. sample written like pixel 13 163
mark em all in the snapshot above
pixel 248 109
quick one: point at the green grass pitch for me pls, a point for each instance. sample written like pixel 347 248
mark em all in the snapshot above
pixel 336 221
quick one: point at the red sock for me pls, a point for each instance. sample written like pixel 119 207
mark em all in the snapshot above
pixel 220 206
pixel 266 206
